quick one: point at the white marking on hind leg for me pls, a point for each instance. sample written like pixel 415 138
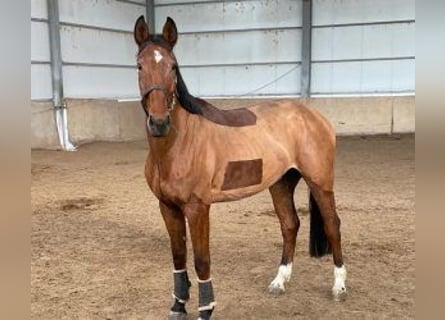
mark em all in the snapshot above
pixel 283 275
pixel 339 288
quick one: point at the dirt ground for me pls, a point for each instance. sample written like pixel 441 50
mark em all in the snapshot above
pixel 100 249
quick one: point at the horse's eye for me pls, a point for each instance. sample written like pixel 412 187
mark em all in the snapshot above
pixel 139 66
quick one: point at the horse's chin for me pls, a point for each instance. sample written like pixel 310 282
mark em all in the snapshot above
pixel 158 134
pixel 158 128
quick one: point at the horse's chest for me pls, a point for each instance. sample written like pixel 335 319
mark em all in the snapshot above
pixel 168 182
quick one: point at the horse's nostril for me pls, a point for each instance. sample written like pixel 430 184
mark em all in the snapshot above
pixel 159 122
pixel 158 127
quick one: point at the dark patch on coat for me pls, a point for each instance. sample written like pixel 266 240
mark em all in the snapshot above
pixel 232 118
pixel 242 173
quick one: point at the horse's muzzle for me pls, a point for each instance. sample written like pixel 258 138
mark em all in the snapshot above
pixel 158 127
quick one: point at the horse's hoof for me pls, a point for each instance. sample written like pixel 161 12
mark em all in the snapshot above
pixel 177 316
pixel 339 294
pixel 276 288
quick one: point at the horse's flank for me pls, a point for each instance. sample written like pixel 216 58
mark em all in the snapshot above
pixel 238 161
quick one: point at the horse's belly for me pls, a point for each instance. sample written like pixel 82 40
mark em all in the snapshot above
pixel 238 189
pixel 237 194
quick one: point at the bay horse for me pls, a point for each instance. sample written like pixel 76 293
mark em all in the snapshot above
pixel 199 155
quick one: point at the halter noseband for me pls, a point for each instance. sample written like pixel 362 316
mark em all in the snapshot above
pixel 154 87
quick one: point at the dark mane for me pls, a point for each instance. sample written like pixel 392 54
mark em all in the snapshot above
pixel 187 101
pixel 233 118
pixel 156 39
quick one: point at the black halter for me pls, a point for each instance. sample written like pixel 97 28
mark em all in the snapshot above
pixel 146 92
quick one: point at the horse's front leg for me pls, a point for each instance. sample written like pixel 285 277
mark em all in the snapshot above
pixel 197 214
pixel 175 223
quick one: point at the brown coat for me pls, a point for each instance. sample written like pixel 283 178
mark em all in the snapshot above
pixel 286 135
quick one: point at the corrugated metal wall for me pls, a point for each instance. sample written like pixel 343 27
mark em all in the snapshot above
pixel 40 55
pixel 362 46
pixel 236 47
pixel 231 48
pixel 98 50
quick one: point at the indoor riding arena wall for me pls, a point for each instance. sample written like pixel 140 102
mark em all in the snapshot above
pixel 107 120
pixel 235 53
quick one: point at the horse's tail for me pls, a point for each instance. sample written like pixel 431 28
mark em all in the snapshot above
pixel 318 242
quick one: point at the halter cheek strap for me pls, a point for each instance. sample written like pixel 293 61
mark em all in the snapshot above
pixel 150 89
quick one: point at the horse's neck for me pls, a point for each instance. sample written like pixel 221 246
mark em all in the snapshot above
pixel 159 147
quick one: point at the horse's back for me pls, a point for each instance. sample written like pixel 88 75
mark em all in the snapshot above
pixel 267 113
pixel 295 118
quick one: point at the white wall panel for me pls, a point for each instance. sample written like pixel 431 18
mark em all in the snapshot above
pixel 164 2
pixel 100 13
pixel 97 46
pixel 239 47
pixel 388 76
pixel 355 11
pixel 215 34
pixel 39 41
pixel 241 80
pixel 369 41
pixel 384 48
pixel 142 2
pixel 403 75
pixel 39 9
pixel 41 87
pixel 232 15
pixel 210 40
pixel 363 77
pixel 99 82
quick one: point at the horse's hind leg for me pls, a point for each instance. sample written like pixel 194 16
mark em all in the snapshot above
pixel 283 199
pixel 175 223
pixel 324 205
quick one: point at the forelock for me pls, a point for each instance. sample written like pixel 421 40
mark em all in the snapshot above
pixel 157 40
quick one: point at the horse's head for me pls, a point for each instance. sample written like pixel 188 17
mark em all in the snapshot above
pixel 157 74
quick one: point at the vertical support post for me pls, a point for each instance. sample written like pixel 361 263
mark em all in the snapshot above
pixel 57 75
pixel 150 11
pixel 56 56
pixel 306 49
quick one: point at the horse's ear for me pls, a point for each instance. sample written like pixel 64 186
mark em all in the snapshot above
pixel 169 32
pixel 141 32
